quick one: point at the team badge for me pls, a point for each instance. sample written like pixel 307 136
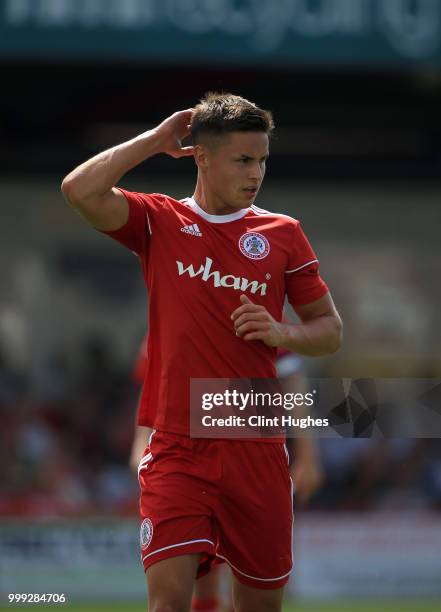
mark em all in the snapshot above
pixel 146 533
pixel 254 245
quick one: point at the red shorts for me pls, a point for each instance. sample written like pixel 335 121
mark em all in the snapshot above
pixel 226 499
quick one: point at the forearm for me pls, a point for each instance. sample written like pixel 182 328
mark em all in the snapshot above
pixel 98 175
pixel 313 338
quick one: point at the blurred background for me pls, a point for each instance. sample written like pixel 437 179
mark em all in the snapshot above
pixel 355 88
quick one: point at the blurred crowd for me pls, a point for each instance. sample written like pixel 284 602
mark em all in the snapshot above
pixel 67 452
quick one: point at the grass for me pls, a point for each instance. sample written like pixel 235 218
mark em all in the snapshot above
pixel 343 606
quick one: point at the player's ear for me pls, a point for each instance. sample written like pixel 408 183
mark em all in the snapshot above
pixel 201 156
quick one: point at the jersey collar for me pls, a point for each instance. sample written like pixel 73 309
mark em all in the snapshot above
pixel 216 218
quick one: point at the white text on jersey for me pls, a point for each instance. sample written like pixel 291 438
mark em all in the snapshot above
pixel 193 230
pixel 234 282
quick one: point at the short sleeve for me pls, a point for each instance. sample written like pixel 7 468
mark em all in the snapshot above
pixel 136 232
pixel 302 278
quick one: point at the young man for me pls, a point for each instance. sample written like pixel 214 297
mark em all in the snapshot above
pixel 217 270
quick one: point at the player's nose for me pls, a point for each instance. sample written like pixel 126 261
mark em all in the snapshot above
pixel 256 172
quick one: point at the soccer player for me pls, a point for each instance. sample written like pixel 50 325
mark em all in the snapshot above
pixel 217 269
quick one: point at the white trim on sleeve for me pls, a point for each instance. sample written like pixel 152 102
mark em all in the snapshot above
pixel 301 267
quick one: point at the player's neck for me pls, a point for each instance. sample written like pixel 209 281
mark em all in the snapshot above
pixel 211 203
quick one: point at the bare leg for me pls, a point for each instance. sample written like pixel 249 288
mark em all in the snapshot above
pixel 206 592
pixel 249 599
pixel 170 583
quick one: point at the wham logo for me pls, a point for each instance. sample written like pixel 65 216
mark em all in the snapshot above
pixel 234 282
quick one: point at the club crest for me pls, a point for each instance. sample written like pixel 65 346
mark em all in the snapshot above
pixel 254 245
pixel 146 533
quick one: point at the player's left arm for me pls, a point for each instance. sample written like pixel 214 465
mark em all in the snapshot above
pixel 318 333
pixel 140 441
pixel 306 467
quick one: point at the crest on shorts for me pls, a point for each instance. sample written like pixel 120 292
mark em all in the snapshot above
pixel 254 245
pixel 146 533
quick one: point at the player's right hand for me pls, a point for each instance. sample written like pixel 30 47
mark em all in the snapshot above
pixel 254 322
pixel 172 132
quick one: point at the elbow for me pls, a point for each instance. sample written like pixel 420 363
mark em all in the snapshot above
pixel 72 194
pixel 68 190
pixel 336 339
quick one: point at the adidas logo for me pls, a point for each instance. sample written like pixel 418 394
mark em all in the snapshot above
pixel 191 229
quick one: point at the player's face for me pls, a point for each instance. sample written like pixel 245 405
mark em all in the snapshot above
pixel 235 168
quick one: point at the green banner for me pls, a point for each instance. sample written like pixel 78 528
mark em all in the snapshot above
pixel 290 32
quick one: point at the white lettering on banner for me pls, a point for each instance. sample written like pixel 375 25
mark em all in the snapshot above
pixel 270 23
pixel 352 18
pixel 207 15
pixel 314 20
pixel 234 282
pixel 411 28
pixel 17 11
pixel 55 13
pixel 130 14
pixel 192 15
pixel 414 33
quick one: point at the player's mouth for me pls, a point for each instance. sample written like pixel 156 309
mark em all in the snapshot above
pixel 251 191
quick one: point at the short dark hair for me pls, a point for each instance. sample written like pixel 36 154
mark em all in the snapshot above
pixel 219 114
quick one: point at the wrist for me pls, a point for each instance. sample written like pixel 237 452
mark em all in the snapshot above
pixel 287 336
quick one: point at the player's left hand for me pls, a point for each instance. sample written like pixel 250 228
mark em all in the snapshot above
pixel 308 476
pixel 254 322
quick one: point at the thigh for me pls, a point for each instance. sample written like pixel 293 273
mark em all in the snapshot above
pixel 249 599
pixel 170 583
pixel 255 517
pixel 175 506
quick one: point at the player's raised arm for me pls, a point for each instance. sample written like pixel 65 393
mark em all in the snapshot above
pixel 90 188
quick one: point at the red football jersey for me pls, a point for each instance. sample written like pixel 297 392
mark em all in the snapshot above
pixel 287 363
pixel 196 266
pixel 140 367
